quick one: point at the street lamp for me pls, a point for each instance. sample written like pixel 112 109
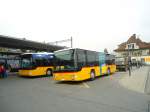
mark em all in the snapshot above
pixel 129 62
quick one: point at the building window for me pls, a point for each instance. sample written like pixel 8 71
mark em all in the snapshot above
pixel 130 46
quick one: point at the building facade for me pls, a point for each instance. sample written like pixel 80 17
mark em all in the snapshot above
pixel 134 47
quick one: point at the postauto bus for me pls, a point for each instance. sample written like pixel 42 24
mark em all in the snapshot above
pixel 79 64
pixel 37 64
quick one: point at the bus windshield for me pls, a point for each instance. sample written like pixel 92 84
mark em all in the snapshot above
pixel 26 61
pixel 65 60
pixel 31 61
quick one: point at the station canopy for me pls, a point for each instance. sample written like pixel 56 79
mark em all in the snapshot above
pixel 15 43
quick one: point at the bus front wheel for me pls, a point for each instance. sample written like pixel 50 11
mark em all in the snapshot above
pixel 49 72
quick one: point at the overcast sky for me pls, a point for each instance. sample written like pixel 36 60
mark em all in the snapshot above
pixel 93 24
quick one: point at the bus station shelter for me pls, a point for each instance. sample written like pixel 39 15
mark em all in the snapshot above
pixel 16 43
pixel 10 57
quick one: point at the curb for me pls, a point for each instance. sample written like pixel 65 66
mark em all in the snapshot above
pixel 147 83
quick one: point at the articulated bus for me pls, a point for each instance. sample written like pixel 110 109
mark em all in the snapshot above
pixel 37 64
pixel 78 64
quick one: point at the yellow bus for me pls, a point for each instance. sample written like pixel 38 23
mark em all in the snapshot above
pixel 147 60
pixel 37 64
pixel 79 64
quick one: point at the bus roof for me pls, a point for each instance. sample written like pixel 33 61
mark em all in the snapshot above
pixel 64 49
pixel 76 48
pixel 38 53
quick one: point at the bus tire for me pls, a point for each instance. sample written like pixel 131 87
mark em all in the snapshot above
pixel 92 75
pixel 49 72
pixel 108 71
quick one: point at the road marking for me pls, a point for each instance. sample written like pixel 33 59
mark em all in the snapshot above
pixel 85 85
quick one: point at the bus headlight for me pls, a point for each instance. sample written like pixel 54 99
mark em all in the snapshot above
pixel 30 73
pixel 74 77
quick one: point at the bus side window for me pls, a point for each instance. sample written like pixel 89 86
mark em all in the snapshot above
pixel 45 62
pixel 97 59
pixel 39 62
pixel 91 58
pixel 113 61
pixel 110 59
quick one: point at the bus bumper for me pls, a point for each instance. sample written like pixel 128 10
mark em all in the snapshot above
pixel 28 73
pixel 66 77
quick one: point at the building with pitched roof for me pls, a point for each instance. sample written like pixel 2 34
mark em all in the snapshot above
pixel 135 48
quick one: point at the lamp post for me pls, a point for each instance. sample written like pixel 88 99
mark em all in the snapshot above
pixel 129 62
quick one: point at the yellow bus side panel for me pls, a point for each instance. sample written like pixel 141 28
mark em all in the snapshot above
pixel 113 68
pixel 83 74
pixel 35 72
pixel 77 76
pixel 147 59
pixel 105 69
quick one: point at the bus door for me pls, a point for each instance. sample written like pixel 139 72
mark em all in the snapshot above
pixel 101 61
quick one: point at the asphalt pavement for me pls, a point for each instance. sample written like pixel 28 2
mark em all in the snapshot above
pixel 43 94
pixel 137 80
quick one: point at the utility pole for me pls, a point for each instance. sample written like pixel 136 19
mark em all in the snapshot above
pixel 71 39
pixel 129 62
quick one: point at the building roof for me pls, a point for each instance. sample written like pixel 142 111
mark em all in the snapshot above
pixel 11 42
pixel 133 39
